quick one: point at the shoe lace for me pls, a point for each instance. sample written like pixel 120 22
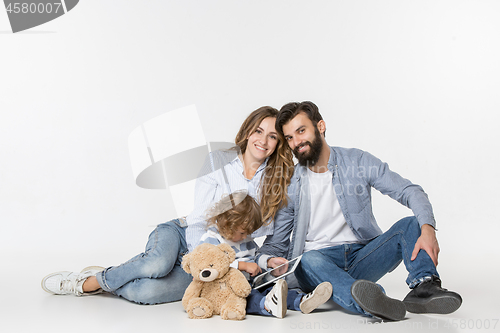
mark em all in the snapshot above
pixel 70 285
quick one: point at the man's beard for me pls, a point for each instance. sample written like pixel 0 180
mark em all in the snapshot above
pixel 311 157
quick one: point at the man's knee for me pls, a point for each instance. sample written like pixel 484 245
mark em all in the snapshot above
pixel 408 223
pixel 312 260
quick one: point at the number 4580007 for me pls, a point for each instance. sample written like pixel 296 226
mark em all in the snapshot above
pixel 24 7
pixel 476 324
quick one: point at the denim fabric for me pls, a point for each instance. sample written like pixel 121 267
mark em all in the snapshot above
pixel 154 276
pixel 256 299
pixel 343 264
pixel 355 173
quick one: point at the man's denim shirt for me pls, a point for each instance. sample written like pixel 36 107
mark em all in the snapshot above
pixel 355 172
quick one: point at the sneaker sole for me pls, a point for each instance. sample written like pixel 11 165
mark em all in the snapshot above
pixel 95 268
pixel 284 293
pixel 438 305
pixel 322 293
pixel 370 297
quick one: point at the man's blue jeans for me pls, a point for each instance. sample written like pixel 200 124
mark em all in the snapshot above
pixel 154 276
pixel 343 264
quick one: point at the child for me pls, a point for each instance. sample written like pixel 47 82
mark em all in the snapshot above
pixel 232 220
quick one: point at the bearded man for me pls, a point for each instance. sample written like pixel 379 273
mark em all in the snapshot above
pixel 330 223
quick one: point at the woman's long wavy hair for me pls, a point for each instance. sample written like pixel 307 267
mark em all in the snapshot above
pixel 279 169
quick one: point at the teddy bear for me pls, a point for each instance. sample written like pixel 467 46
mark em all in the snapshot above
pixel 216 288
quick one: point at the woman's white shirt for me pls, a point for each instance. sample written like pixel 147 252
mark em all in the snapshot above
pixel 213 184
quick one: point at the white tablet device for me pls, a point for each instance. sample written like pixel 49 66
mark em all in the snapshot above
pixel 267 278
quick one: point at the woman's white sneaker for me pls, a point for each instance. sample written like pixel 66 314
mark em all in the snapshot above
pixel 318 296
pixel 70 283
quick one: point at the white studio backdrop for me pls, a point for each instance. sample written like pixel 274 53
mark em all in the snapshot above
pixel 415 83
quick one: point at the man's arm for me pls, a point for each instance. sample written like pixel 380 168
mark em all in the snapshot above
pixel 411 195
pixel 427 242
pixel 276 245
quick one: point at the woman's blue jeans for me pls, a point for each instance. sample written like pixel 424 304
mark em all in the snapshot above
pixel 343 264
pixel 154 276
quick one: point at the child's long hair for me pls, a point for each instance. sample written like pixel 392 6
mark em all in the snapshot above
pixel 233 211
pixel 279 169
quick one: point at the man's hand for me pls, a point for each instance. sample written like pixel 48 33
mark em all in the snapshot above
pixel 249 267
pixel 275 262
pixel 427 242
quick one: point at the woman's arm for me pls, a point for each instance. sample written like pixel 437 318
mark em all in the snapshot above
pixel 204 196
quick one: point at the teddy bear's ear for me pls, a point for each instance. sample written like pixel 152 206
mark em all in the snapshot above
pixel 226 248
pixel 185 263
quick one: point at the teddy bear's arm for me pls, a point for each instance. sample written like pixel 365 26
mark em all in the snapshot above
pixel 239 283
pixel 193 290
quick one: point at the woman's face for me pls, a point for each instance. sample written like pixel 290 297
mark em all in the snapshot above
pixel 263 141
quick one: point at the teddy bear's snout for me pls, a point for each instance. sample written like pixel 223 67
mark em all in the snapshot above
pixel 208 275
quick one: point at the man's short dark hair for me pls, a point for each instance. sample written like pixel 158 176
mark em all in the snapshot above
pixel 290 110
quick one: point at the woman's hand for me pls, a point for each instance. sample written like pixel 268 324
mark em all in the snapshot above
pixel 249 267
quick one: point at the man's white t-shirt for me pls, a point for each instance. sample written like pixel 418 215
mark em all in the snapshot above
pixel 327 225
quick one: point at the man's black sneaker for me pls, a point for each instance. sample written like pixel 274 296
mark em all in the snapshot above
pixel 429 297
pixel 372 299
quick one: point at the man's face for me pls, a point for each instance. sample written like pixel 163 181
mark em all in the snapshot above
pixel 304 139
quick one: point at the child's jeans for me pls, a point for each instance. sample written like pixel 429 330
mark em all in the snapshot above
pixel 255 301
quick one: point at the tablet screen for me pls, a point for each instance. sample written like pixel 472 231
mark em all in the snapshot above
pixel 274 274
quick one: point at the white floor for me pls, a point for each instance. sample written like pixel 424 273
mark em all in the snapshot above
pixel 25 307
pixel 413 82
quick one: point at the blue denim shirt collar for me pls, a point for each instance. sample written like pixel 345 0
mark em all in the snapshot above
pixel 332 161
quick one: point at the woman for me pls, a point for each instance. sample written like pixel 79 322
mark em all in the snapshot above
pixel 263 168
